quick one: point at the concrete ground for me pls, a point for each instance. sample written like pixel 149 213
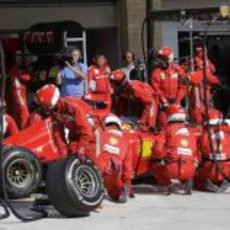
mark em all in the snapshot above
pixel 200 211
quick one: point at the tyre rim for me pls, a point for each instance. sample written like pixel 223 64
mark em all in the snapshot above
pixel 20 173
pixel 84 181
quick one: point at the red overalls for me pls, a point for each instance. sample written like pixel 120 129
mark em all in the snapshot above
pixel 18 102
pixel 99 88
pixel 197 110
pixel 115 162
pixel 208 170
pixel 143 95
pixel 9 126
pixel 169 86
pixel 72 114
pixel 174 155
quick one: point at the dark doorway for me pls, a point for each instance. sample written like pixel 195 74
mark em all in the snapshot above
pixel 103 41
pixel 219 53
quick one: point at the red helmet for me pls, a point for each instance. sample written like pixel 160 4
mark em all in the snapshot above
pixel 176 113
pixel 117 76
pixel 47 96
pixel 166 52
pixel 215 117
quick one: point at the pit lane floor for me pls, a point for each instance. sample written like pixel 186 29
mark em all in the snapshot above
pixel 200 211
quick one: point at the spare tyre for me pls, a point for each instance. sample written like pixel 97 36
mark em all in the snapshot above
pixel 74 188
pixel 22 171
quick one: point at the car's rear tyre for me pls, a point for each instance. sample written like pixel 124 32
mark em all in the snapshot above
pixel 74 188
pixel 22 172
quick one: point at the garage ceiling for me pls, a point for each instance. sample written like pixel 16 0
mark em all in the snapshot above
pixel 18 3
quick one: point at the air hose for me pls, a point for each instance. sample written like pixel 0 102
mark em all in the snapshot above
pixel 206 104
pixel 4 199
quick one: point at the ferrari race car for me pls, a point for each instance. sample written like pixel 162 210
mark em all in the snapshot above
pixel 74 187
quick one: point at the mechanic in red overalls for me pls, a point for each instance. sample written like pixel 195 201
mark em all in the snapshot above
pixel 209 176
pixel 141 93
pixel 175 152
pixel 72 114
pixel 168 82
pixel 20 77
pixel 116 160
pixel 99 88
pixel 197 108
pixel 198 61
pixel 9 125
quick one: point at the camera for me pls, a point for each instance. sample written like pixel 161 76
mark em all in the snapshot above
pixel 63 57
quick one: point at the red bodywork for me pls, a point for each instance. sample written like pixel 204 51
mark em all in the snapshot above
pixel 39 139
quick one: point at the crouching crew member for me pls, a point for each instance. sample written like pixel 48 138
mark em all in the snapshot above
pixel 175 152
pixel 214 166
pixel 70 113
pixel 141 93
pixel 116 160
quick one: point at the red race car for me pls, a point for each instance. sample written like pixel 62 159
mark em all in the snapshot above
pixel 32 155
pixel 74 187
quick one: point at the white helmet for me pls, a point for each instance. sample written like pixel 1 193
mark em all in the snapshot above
pixel 215 117
pixel 176 113
pixel 227 122
pixel 113 119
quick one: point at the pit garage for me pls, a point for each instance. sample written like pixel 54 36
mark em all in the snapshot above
pixel 97 17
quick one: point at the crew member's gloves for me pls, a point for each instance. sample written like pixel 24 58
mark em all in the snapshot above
pixel 164 104
pixel 141 123
pixel 77 149
pixel 82 153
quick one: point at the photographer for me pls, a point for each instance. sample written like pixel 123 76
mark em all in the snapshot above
pixel 72 77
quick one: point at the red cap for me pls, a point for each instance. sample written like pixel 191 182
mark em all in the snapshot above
pixel 117 75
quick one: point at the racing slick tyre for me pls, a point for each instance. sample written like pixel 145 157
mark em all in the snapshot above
pixel 22 172
pixel 74 188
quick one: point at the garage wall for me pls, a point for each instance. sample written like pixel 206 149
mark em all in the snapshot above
pixel 170 36
pixel 188 4
pixel 89 17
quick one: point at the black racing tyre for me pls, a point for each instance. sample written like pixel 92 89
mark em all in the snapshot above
pixel 22 172
pixel 74 188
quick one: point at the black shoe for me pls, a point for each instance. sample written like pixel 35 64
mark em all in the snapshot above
pixel 167 190
pixel 212 187
pixel 224 186
pixel 125 194
pixel 188 187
